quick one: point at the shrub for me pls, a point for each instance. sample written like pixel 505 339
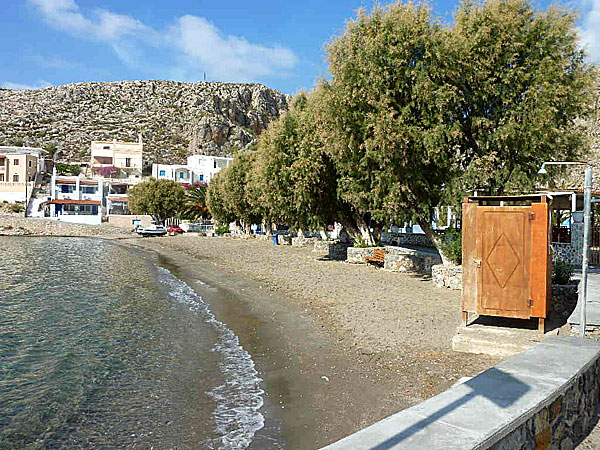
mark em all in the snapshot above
pixel 562 272
pixel 359 242
pixel 68 169
pixel 17 208
pixel 221 228
pixel 451 245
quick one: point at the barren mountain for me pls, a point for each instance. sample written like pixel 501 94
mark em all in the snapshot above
pixel 175 119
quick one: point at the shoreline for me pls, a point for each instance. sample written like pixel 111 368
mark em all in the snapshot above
pixel 339 346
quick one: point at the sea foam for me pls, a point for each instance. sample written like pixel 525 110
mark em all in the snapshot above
pixel 239 399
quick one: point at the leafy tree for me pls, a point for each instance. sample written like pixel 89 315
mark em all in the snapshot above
pixel 68 169
pixel 235 185
pixel 294 180
pixel 416 114
pixel 215 198
pixel 51 148
pixel 159 198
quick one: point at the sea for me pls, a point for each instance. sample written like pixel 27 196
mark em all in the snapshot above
pixel 102 347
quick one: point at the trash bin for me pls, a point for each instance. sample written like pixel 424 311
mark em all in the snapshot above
pixel 275 239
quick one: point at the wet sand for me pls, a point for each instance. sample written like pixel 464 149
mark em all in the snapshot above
pixel 339 346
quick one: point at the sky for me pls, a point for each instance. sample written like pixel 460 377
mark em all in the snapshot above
pixel 279 43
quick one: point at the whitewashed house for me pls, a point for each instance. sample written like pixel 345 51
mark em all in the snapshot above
pixel 199 169
pixel 76 199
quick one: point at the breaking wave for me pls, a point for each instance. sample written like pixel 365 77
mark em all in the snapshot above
pixel 239 399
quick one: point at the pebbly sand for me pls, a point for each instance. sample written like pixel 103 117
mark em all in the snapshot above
pixel 339 346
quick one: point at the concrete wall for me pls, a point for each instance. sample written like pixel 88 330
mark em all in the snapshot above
pixel 545 397
pixel 126 220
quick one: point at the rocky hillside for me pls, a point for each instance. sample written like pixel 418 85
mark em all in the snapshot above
pixel 175 119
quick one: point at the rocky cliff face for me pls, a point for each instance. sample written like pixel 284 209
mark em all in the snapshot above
pixel 175 119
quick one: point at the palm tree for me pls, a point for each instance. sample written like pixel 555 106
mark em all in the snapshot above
pixel 195 205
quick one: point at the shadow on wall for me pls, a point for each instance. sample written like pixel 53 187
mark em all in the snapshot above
pixel 487 387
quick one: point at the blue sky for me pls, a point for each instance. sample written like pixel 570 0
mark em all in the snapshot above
pixel 278 43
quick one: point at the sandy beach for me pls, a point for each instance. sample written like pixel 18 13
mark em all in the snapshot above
pixel 339 346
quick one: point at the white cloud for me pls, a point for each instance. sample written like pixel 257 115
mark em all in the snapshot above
pixel 18 86
pixel 590 29
pixel 53 62
pixel 195 44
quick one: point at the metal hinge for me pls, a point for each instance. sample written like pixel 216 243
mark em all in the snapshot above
pixel 530 302
pixel 477 262
pixel 531 215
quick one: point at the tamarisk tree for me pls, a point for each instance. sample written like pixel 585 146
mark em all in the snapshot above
pixel 161 199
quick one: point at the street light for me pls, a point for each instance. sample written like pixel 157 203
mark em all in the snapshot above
pixel 587 213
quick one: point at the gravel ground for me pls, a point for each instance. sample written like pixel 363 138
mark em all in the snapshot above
pixel 401 324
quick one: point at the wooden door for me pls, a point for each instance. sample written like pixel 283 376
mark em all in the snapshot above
pixel 504 260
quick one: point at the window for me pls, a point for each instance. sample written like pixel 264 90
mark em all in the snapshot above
pixel 2 162
pixel 201 177
pixel 67 188
pixel 15 162
pixel 1 177
pixel 106 147
pixel 162 173
pixel 15 178
pixel 215 163
pixel 30 163
pixel 127 162
pixel 89 189
pixel 181 175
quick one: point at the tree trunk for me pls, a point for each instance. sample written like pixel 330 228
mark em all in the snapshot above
pixel 426 227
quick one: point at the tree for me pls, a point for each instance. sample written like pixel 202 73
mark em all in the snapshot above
pixel 68 169
pixel 215 198
pixel 415 111
pixel 195 202
pixel 235 186
pixel 159 198
pixel 294 180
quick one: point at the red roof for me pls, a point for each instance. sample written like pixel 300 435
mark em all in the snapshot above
pixel 59 181
pixel 118 199
pixel 74 202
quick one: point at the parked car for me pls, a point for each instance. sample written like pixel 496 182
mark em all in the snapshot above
pixel 173 230
pixel 152 230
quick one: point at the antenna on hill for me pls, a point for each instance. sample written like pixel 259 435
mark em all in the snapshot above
pixel 205 76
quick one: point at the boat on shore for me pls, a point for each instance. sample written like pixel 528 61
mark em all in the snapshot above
pixel 152 230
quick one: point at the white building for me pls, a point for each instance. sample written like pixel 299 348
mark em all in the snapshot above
pixel 112 159
pixel 199 168
pixel 76 199
pixel 19 167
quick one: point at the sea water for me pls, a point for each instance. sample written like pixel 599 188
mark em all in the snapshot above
pixel 102 347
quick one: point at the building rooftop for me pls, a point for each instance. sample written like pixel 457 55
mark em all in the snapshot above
pixel 20 150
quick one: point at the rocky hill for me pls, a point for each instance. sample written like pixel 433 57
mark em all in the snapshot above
pixel 175 119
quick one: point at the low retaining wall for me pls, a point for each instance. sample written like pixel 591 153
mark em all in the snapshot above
pixel 546 397
pixel 563 301
pixel 447 276
pixel 335 249
pixel 398 259
pixel 416 239
pixel 301 241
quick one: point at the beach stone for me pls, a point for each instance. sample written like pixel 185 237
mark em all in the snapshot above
pixel 20 226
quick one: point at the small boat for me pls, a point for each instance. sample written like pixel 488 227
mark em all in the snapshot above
pixel 152 230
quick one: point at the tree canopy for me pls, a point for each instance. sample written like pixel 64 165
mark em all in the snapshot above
pixel 416 115
pixel 161 199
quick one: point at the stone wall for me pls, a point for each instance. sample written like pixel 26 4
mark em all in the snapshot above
pixel 564 422
pixel 397 259
pixel 335 249
pixel 302 241
pixel 447 276
pixel 19 226
pixel 563 301
pixel 543 398
pixel 416 239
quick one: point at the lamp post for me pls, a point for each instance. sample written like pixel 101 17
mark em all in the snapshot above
pixel 587 219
